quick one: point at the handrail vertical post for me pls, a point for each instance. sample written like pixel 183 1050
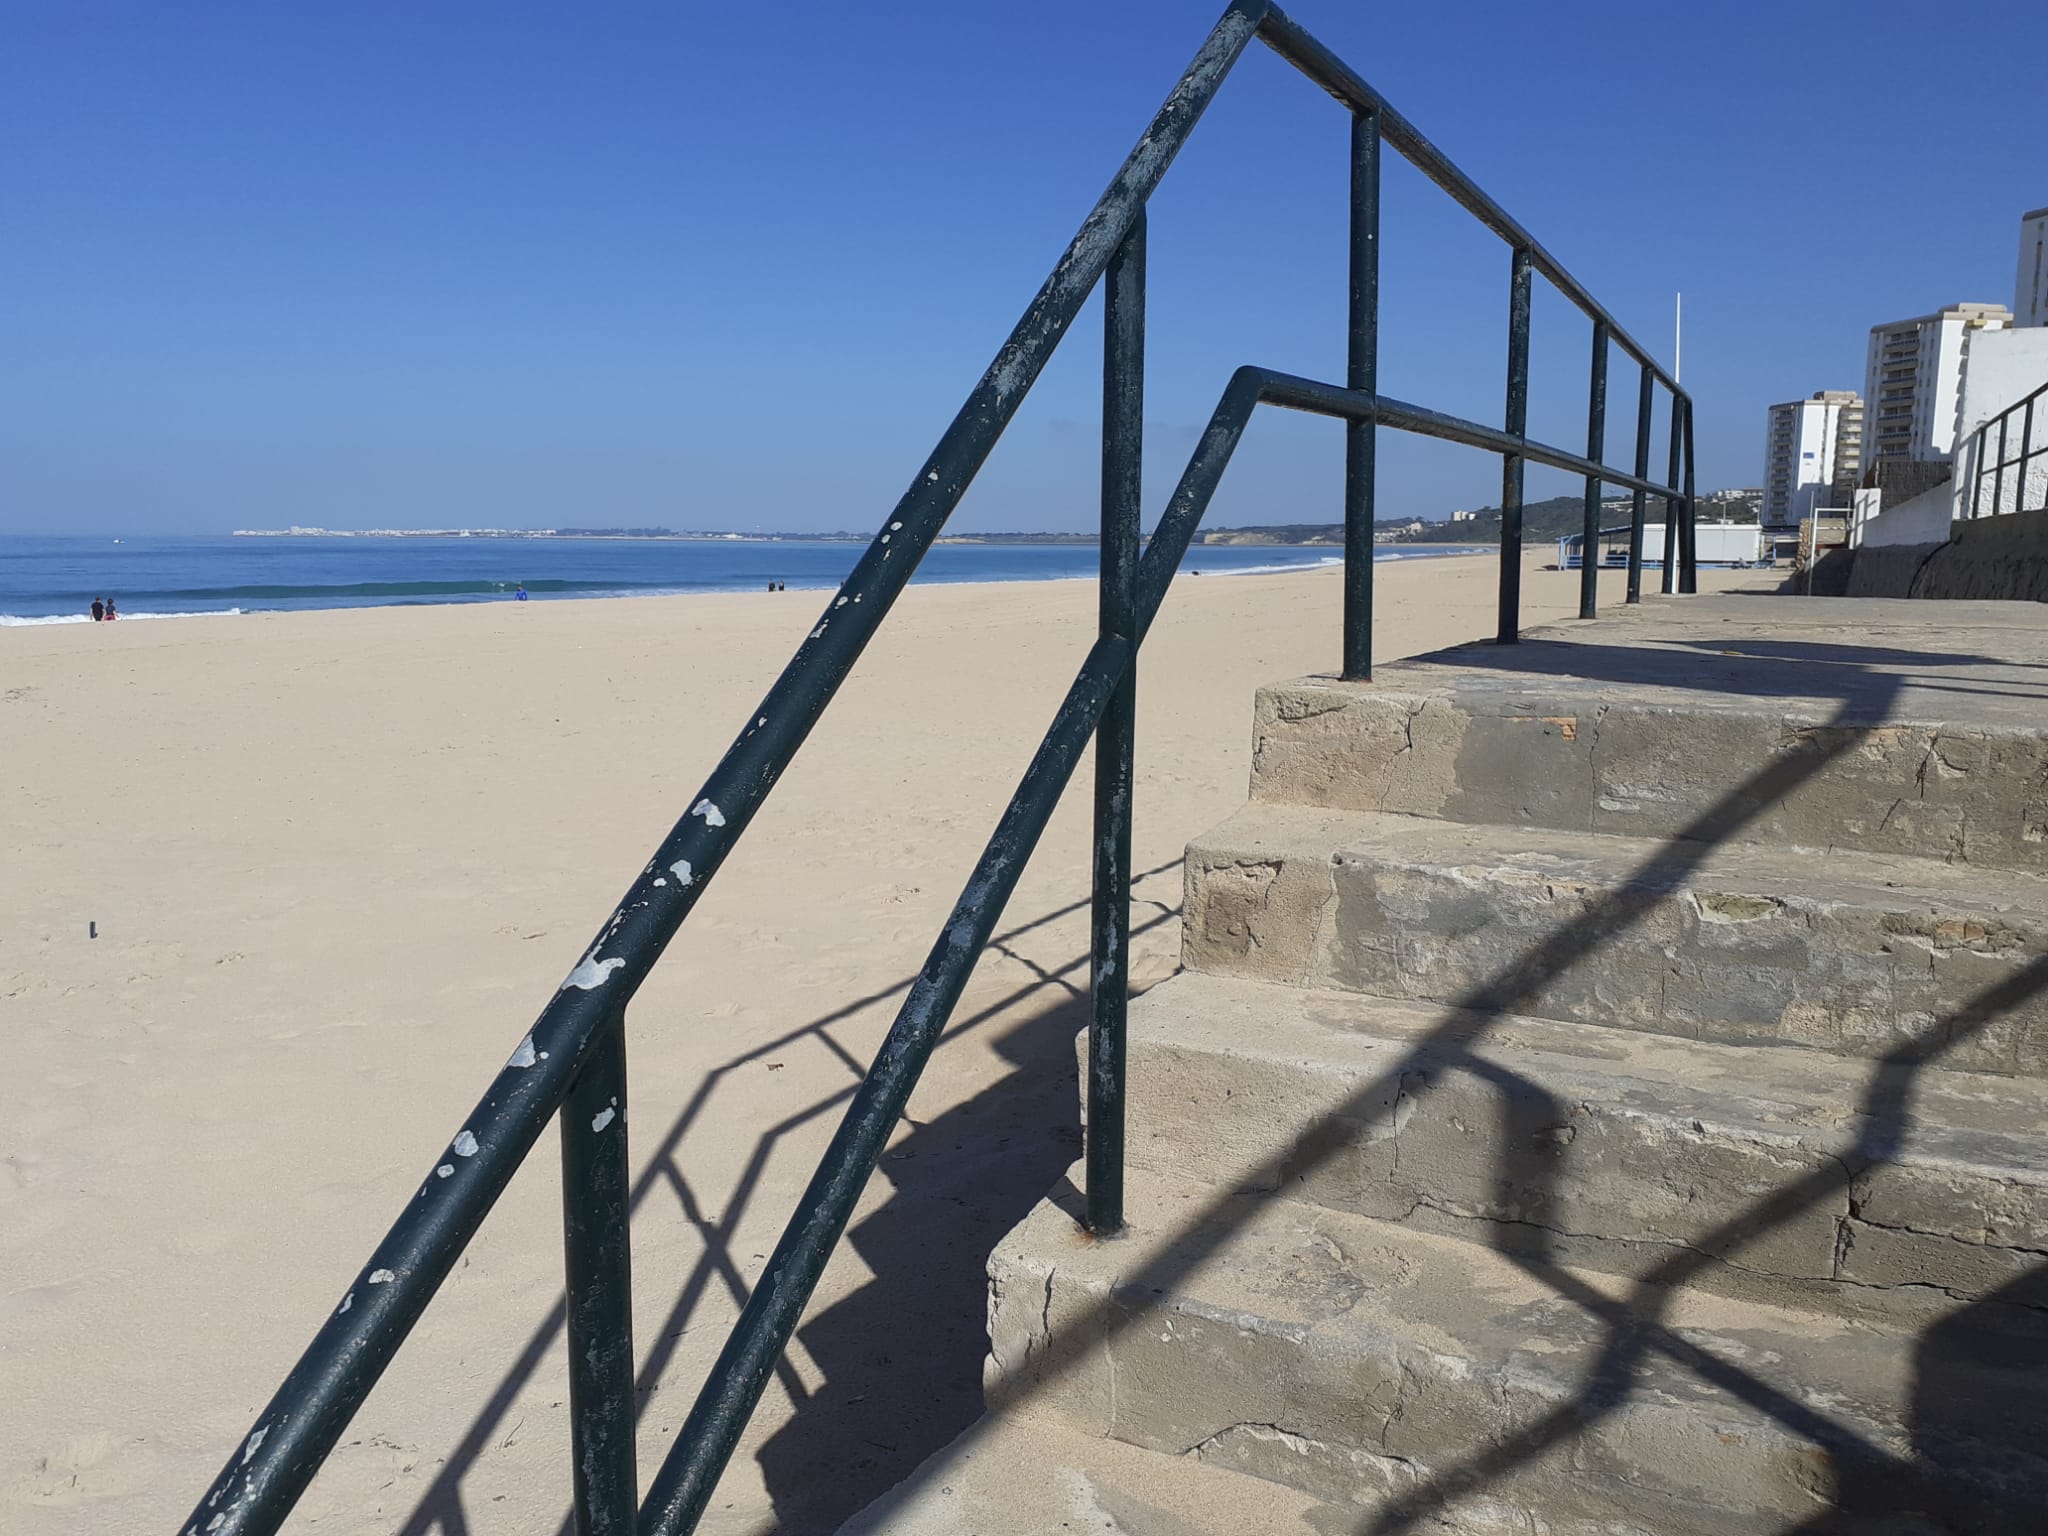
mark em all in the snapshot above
pixel 1512 468
pixel 1123 442
pixel 2026 452
pixel 1645 401
pixel 1998 471
pixel 1596 447
pixel 1674 536
pixel 1361 372
pixel 597 1253
pixel 1689 568
pixel 1977 471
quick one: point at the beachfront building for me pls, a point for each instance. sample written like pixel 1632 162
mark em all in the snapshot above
pixel 1848 465
pixel 1813 453
pixel 2030 287
pixel 1913 379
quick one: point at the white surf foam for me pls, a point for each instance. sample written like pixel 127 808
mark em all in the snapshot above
pixel 18 620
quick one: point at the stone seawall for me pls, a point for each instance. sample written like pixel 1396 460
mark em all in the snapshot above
pixel 1993 557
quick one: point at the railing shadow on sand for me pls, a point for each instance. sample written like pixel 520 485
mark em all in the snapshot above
pixel 828 1459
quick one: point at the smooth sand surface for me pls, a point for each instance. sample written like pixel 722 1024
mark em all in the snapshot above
pixel 339 860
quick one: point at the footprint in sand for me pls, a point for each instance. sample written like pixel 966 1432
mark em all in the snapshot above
pixel 86 1466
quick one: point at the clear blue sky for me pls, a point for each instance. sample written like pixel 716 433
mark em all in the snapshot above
pixel 509 264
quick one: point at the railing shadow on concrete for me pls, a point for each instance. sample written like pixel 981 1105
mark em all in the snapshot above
pixel 1845 677
pixel 949 1301
pixel 1867 1478
pixel 1819 653
pixel 1827 652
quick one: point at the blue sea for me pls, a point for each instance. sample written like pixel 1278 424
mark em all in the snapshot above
pixel 54 580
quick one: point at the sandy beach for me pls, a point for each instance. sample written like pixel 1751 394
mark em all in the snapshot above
pixel 338 860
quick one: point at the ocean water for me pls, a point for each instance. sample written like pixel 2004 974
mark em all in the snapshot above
pixel 54 580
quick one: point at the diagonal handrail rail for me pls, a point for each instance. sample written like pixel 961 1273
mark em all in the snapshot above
pixel 573 1059
pixel 1989 463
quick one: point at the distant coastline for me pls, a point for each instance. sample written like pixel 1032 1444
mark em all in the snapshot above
pixel 1283 536
pixel 48 580
pixel 1541 521
pixel 669 535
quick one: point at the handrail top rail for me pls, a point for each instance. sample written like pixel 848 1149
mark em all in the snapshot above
pixel 1287 38
pixel 2037 393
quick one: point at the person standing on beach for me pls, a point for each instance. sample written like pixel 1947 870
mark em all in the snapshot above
pixel 99 610
pixel 110 609
pixel 521 593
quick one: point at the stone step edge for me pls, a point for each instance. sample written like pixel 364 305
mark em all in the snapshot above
pixel 1848 874
pixel 1655 1145
pixel 1973 928
pixel 1594 758
pixel 1271 1330
pixel 1416 680
pixel 1018 1475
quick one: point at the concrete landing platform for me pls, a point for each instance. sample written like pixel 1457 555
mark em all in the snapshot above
pixel 1981 664
pixel 1885 725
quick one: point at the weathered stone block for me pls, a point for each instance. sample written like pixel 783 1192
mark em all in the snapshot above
pixel 1857 954
pixel 1740 1170
pixel 1359 1362
pixel 1570 734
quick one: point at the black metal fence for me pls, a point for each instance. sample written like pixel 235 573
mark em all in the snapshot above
pixel 2002 453
pixel 573 1061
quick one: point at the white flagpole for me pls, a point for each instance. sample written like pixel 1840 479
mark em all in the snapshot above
pixel 1678 339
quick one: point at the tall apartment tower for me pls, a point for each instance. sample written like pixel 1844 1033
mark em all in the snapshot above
pixel 1913 376
pixel 2030 288
pixel 1813 454
pixel 1848 466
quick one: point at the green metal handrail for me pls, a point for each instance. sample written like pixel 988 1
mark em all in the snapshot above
pixel 1987 463
pixel 573 1060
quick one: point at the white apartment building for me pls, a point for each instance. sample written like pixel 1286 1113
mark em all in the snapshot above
pixel 1847 468
pixel 2030 288
pixel 1813 453
pixel 1912 379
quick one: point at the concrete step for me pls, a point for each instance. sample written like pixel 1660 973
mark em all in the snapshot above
pixel 1771 722
pixel 1855 953
pixel 1008 1475
pixel 1783 1175
pixel 1409 1373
